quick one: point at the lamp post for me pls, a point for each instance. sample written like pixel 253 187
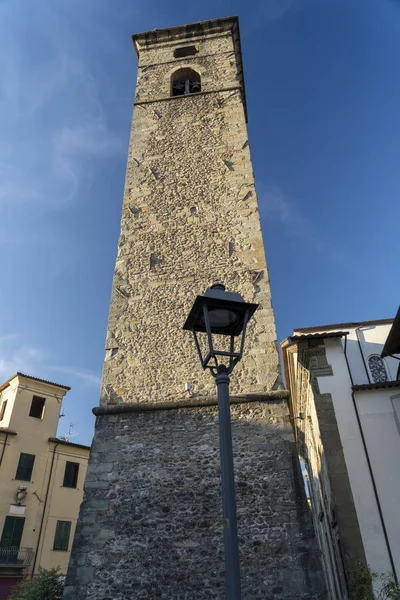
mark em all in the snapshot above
pixel 222 313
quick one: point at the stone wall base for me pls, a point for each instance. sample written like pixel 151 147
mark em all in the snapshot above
pixel 150 526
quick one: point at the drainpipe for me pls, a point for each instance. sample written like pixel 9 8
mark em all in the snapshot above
pixel 369 465
pixel 361 352
pixel 44 510
pixel 4 449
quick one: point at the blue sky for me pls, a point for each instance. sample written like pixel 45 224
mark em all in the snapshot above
pixel 323 92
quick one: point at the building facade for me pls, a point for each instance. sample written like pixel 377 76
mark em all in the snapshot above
pixel 151 522
pixel 345 403
pixel 41 480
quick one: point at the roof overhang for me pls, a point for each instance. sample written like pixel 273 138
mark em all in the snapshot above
pixel 6 384
pixel 317 336
pixel 376 386
pixel 392 344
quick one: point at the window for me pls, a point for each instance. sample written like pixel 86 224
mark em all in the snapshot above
pixel 37 407
pixel 3 410
pixel 185 51
pixel 184 82
pixel 377 368
pixel 61 538
pixel 71 474
pixel 25 467
pixel 11 539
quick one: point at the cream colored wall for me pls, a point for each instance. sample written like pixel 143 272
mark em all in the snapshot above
pixel 32 438
pixel 8 395
pixel 63 505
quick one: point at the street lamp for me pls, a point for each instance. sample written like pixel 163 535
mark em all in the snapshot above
pixel 222 313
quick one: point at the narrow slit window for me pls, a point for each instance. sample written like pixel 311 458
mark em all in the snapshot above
pixel 185 82
pixel 185 51
pixel 37 407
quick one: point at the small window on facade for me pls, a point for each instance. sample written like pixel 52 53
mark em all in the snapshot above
pixel 37 407
pixel 71 474
pixel 377 368
pixel 185 82
pixel 25 467
pixel 185 51
pixel 3 410
pixel 61 538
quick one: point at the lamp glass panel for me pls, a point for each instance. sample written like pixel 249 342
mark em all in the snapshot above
pixel 222 318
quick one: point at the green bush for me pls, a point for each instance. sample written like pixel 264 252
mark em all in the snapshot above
pixel 47 585
pixel 390 588
pixel 361 581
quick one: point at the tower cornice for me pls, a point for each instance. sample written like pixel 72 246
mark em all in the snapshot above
pixel 191 33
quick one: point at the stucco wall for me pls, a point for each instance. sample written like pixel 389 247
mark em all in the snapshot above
pixel 340 389
pixel 383 442
pixel 32 437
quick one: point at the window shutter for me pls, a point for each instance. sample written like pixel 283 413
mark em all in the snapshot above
pixel 25 466
pixel 61 538
pixel 12 532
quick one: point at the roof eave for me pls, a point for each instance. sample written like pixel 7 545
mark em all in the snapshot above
pixel 392 344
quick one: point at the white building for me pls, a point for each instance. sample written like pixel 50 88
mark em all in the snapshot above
pixel 345 406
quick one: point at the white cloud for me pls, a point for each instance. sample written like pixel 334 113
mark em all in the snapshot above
pixel 276 205
pixel 51 115
pixel 22 358
pixel 86 376
pixel 16 356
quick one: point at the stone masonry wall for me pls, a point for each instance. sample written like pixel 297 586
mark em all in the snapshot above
pixel 150 526
pixel 189 219
pixel 151 522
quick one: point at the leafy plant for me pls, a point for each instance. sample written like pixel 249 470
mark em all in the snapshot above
pixel 47 585
pixel 390 589
pixel 362 580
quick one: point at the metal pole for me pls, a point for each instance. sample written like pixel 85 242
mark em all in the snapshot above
pixel 232 567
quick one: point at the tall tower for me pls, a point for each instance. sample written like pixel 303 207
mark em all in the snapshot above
pixel 151 523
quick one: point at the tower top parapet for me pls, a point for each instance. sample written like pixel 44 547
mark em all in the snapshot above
pixel 192 33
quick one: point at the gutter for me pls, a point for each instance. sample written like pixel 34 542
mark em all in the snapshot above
pixel 7 433
pixel 361 352
pixel 369 462
pixel 44 511
pixel 4 448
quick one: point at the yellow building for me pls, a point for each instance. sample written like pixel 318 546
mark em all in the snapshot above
pixel 41 480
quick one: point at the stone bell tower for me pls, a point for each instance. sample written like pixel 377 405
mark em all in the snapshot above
pixel 151 522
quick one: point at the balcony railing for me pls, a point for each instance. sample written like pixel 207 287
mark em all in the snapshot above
pixel 11 556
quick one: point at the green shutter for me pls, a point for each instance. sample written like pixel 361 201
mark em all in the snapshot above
pixel 25 466
pixel 12 532
pixel 61 538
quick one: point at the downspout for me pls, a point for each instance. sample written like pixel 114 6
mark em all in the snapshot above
pixel 4 449
pixel 44 510
pixel 361 352
pixel 370 466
